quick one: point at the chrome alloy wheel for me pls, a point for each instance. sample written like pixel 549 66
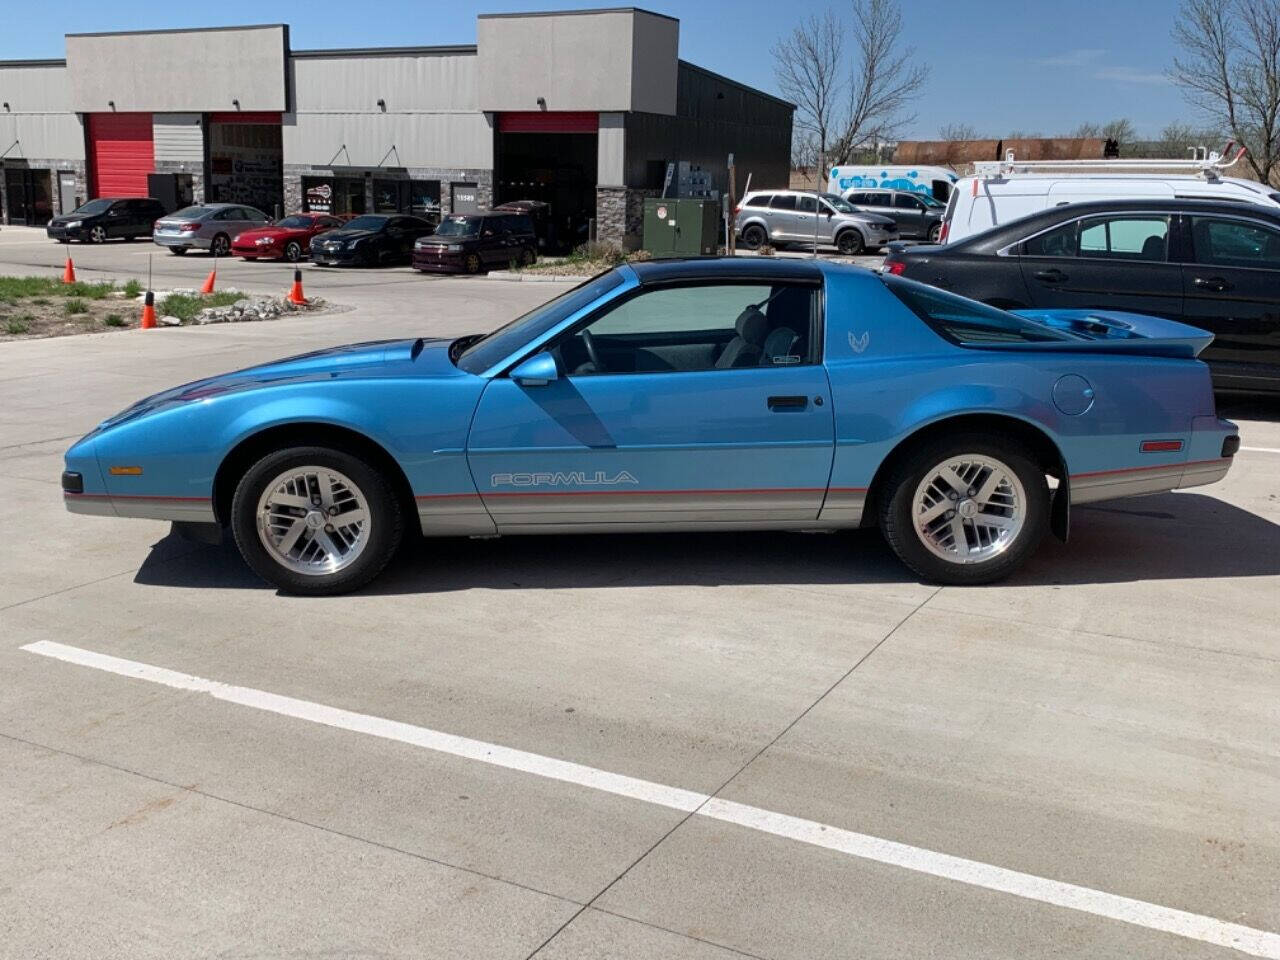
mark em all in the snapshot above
pixel 313 520
pixel 969 509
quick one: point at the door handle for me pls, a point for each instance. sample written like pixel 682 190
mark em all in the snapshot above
pixel 1215 284
pixel 1053 275
pixel 788 403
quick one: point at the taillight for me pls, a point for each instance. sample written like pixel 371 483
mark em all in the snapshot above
pixel 189 227
pixel 896 268
pixel 946 229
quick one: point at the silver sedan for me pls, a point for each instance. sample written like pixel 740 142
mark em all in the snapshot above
pixel 209 226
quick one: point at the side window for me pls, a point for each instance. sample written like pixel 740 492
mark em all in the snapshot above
pixel 1125 238
pixel 878 200
pixel 1058 242
pixel 806 203
pixel 698 328
pixel 905 201
pixel 1235 243
pixel 760 200
pixel 857 199
pixel 784 201
pixel 965 322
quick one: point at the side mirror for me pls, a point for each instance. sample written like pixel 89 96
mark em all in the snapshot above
pixel 537 371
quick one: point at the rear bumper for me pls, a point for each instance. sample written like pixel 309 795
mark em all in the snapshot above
pixel 182 242
pixel 1209 455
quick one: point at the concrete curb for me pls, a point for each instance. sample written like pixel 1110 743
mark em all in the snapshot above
pixel 513 276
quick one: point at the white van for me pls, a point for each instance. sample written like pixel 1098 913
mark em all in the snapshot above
pixel 1008 190
pixel 937 182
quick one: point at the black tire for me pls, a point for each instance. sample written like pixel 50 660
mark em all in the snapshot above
pixel 385 515
pixel 897 504
pixel 63 240
pixel 178 251
pixel 98 234
pixel 935 232
pixel 527 257
pixel 293 251
pixel 850 243
pixel 220 245
pixel 471 263
pixel 754 237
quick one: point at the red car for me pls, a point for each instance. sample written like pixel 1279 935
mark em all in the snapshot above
pixel 288 239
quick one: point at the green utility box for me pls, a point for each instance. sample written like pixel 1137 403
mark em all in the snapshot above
pixel 681 228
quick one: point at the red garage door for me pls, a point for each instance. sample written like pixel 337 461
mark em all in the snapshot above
pixel 548 121
pixel 121 154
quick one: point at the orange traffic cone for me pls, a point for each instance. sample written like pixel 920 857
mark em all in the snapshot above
pixel 209 280
pixel 295 293
pixel 148 312
pixel 69 274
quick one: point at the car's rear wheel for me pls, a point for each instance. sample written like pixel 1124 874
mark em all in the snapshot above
pixel 98 234
pixel 293 251
pixel 850 243
pixel 754 237
pixel 965 510
pixel 220 246
pixel 315 520
pixel 935 233
pixel 178 251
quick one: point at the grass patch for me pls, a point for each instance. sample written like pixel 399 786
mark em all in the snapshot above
pixel 41 301
pixel 74 306
pixel 19 288
pixel 113 320
pixel 186 307
pixel 133 288
pixel 17 325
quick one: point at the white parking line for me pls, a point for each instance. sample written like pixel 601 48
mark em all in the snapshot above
pixel 1262 449
pixel 1257 943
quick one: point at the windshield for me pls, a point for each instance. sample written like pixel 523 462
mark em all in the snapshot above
pixel 504 341
pixel 92 207
pixel 295 223
pixel 842 205
pixel 930 201
pixel 191 213
pixel 458 227
pixel 365 223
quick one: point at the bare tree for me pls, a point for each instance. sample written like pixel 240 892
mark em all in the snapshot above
pixel 957 131
pixel 886 78
pixel 1230 69
pixel 809 67
pixel 843 102
pixel 1120 130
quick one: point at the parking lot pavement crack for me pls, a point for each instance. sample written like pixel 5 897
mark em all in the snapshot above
pixel 275 814
pixel 711 797
pixel 89 583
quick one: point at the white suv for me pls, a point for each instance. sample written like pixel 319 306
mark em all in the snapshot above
pixel 793 216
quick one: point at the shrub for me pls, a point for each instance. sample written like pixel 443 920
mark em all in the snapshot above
pixel 609 253
pixel 18 324
pixel 185 307
pixel 132 289
pixel 765 250
pixel 113 320
pixel 74 306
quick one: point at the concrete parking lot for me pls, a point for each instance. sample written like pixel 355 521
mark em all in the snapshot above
pixel 776 746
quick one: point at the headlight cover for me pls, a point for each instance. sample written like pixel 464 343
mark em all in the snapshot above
pixel 265 241
pixel 73 224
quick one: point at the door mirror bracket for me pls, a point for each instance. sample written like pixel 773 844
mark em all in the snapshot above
pixel 536 371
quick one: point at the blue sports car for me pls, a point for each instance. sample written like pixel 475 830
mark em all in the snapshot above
pixel 711 394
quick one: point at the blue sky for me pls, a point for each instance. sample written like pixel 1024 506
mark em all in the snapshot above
pixel 999 66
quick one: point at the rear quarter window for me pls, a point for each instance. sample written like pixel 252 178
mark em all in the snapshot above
pixel 761 200
pixel 965 322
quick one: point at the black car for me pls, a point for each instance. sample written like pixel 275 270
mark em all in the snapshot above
pixel 472 242
pixel 1212 264
pixel 100 220
pixel 370 240
pixel 917 215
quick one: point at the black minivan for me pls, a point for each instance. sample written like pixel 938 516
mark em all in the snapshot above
pixel 99 220
pixel 473 242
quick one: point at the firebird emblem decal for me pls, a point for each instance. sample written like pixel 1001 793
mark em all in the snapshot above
pixel 859 343
pixel 563 478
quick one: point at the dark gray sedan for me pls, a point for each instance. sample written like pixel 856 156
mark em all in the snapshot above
pixel 208 226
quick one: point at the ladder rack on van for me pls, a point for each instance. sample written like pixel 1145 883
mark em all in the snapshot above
pixel 1210 165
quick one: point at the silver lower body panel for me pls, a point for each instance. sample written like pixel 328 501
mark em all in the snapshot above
pixel 144 508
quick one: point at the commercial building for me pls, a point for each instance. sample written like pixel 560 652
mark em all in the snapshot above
pixel 590 111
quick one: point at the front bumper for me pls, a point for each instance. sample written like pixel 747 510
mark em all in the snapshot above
pixel 272 252
pixel 336 258
pixel 442 261
pixel 62 233
pixel 182 241
pixel 878 238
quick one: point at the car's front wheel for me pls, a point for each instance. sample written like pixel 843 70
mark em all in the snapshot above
pixel 316 520
pixel 293 251
pixel 850 243
pixel 98 234
pixel 965 510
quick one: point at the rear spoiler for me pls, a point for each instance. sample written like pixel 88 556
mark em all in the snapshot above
pixel 1113 331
